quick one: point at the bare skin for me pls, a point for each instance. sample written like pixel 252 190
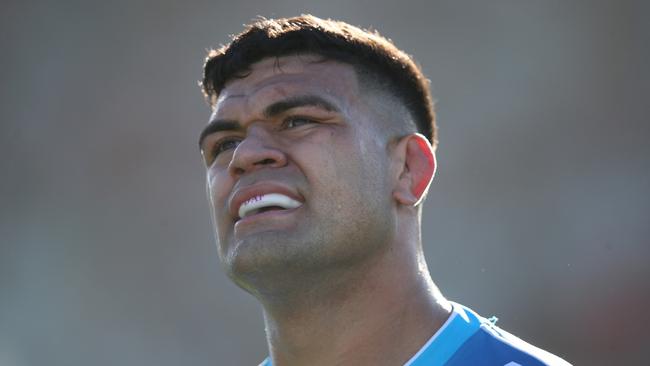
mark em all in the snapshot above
pixel 342 278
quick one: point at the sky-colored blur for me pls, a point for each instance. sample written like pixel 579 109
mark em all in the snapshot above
pixel 539 214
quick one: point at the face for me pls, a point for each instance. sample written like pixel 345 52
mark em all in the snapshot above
pixel 297 171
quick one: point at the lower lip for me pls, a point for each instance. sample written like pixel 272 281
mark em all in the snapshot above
pixel 265 217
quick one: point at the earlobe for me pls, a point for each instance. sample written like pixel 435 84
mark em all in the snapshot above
pixel 419 167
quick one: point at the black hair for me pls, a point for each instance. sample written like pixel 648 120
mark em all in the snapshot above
pixel 367 51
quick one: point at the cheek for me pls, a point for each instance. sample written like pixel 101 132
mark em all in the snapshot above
pixel 324 155
pixel 337 166
pixel 217 180
pixel 218 189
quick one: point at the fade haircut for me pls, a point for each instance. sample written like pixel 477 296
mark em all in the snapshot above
pixel 375 59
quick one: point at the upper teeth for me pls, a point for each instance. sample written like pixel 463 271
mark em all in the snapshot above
pixel 266 200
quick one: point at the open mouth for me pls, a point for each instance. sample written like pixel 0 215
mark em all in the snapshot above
pixel 265 203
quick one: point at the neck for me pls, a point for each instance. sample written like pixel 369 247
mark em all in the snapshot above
pixel 380 313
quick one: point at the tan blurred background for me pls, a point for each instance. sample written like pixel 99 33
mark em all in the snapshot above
pixel 540 213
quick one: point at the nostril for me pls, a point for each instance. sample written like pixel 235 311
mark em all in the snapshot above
pixel 267 161
pixel 237 171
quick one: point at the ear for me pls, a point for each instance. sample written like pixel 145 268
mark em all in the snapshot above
pixel 417 166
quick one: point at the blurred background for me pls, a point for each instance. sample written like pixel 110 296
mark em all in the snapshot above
pixel 539 214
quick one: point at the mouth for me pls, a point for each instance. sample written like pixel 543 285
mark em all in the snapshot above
pixel 266 202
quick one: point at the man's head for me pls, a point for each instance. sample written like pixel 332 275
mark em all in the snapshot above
pixel 377 62
pixel 314 161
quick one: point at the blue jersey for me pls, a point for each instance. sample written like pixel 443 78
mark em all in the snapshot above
pixel 467 339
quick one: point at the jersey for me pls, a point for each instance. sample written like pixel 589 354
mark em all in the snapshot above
pixel 467 339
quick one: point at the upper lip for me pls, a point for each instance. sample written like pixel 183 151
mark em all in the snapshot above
pixel 242 195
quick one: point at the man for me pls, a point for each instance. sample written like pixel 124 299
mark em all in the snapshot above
pixel 319 153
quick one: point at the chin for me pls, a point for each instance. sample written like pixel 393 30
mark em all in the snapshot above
pixel 262 254
pixel 274 263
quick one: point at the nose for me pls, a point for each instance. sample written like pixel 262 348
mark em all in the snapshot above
pixel 256 151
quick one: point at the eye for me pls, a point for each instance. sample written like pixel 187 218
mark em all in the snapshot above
pixel 224 145
pixel 296 121
pixel 220 146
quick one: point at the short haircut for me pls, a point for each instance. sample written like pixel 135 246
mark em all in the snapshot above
pixel 371 55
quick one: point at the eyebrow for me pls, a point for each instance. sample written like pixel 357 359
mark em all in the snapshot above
pixel 218 125
pixel 310 100
pixel 270 111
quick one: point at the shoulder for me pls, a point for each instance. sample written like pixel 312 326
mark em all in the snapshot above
pixel 491 345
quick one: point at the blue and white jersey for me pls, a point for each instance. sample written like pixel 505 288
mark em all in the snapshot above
pixel 467 339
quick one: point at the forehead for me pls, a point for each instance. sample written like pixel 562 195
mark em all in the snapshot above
pixel 275 78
